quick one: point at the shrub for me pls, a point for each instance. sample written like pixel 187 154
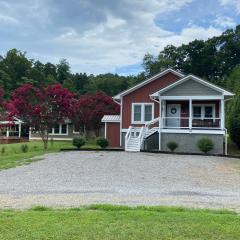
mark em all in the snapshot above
pixel 205 145
pixel 78 142
pixel 102 142
pixel 3 150
pixel 24 148
pixel 172 146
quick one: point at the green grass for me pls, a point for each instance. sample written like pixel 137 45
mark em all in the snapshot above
pixel 112 222
pixel 13 155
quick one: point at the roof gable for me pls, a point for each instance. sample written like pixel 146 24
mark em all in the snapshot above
pixel 169 70
pixel 206 87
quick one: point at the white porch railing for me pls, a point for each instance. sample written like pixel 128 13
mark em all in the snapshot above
pixel 127 136
pixel 183 123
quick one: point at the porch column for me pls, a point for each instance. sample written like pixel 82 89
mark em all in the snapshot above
pixel 222 115
pixel 19 130
pixel 190 114
pixel 160 122
pixel 7 134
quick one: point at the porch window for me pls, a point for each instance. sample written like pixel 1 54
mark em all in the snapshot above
pixel 142 112
pixel 204 111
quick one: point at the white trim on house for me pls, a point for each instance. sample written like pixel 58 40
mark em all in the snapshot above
pixel 197 79
pixel 193 131
pixel 60 130
pixel 142 112
pixel 118 96
pixel 220 97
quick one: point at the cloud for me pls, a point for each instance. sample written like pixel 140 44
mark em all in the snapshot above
pixel 95 36
pixel 225 22
pixel 232 3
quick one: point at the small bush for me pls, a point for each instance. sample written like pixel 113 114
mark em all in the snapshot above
pixel 3 150
pixel 172 146
pixel 24 148
pixel 35 148
pixel 102 142
pixel 78 142
pixel 205 145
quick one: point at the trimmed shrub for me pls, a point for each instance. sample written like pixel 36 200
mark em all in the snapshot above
pixel 205 145
pixel 24 148
pixel 102 142
pixel 78 142
pixel 172 146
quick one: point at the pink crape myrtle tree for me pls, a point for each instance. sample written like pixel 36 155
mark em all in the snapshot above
pixel 41 108
pixel 88 110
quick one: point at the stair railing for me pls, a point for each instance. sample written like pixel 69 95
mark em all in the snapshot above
pixel 141 137
pixel 155 120
pixel 127 136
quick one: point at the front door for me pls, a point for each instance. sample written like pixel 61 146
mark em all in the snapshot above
pixel 173 115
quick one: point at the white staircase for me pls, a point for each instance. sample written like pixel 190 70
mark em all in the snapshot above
pixel 134 139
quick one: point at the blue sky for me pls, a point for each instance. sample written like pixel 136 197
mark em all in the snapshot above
pixel 99 36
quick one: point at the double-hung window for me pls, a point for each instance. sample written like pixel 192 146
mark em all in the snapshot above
pixel 142 112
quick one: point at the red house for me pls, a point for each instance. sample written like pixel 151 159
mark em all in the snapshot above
pixel 169 106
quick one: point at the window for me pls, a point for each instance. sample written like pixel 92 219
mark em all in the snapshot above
pixel 137 113
pixel 60 129
pixel 147 113
pixel 208 112
pixel 142 112
pixel 197 112
pixel 204 111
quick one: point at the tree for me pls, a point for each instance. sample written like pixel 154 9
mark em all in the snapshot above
pixel 233 108
pixel 2 112
pixel 63 71
pixel 41 108
pixel 88 111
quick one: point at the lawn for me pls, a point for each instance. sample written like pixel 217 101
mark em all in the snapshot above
pixel 11 155
pixel 112 222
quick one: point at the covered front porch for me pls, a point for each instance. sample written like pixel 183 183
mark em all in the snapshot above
pixel 192 113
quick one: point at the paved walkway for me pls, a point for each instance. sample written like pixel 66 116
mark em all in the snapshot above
pixel 77 178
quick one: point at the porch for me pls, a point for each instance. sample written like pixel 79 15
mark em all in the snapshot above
pixel 192 114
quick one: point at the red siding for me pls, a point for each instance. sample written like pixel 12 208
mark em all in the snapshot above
pixel 113 134
pixel 142 95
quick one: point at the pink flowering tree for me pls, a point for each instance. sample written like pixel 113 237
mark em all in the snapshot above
pixel 87 112
pixel 41 108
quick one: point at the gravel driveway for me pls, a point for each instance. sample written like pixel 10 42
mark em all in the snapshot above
pixel 69 179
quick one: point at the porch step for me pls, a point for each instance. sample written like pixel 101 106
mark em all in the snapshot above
pixel 133 145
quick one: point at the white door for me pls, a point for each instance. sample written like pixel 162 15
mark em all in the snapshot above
pixel 173 115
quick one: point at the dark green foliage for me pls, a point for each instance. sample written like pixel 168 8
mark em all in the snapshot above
pixel 3 150
pixel 172 146
pixel 102 142
pixel 24 148
pixel 205 145
pixel 79 142
pixel 233 107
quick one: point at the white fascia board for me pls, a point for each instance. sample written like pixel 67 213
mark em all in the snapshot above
pixel 217 97
pixel 117 97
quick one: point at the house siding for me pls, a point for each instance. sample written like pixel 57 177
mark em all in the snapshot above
pixel 191 87
pixel 141 95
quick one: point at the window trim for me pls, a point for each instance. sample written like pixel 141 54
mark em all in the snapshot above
pixel 60 130
pixel 142 112
pixel 203 110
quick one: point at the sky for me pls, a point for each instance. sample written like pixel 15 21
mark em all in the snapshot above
pixel 99 36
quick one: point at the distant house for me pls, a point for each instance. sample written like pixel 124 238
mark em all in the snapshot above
pixel 169 106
